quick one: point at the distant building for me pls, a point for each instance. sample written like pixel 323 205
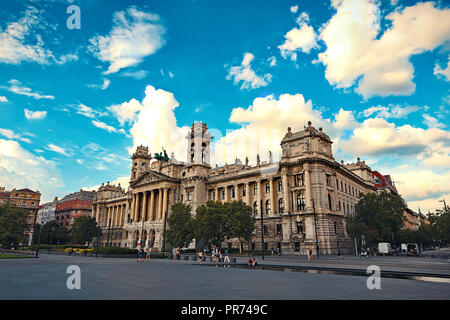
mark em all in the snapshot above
pixel 72 206
pixel 46 212
pixel 26 199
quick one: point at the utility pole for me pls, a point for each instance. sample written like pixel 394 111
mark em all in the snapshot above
pixel 315 228
pixel 262 231
pixel 164 232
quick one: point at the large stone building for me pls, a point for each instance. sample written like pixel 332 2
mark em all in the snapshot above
pixel 26 199
pixel 303 197
pixel 72 206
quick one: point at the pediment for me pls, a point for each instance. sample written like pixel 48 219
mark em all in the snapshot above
pixel 151 176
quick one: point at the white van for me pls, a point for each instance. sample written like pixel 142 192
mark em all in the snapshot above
pixel 384 249
pixel 404 248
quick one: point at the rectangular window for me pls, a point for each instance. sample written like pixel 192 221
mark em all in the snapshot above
pixel 297 246
pixel 244 191
pixel 189 195
pixel 298 180
pixel 266 230
pixel 255 189
pixel 299 227
pixel 328 180
pixel 267 187
pixel 280 186
pixel 335 228
pixel 233 193
pixel 213 195
pixel 279 229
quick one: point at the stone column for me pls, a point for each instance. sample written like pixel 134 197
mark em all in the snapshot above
pixel 272 197
pixel 308 190
pixel 259 198
pixel 247 194
pixel 152 199
pixel 217 194
pixel 237 195
pixel 160 199
pixel 227 194
pixel 165 199
pixel 144 207
pixel 133 207
pixel 108 210
pixel 97 213
pixel 286 200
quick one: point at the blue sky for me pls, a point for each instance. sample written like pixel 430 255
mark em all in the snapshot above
pixel 75 102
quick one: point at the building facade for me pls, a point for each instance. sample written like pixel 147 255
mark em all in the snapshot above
pixel 26 199
pixel 46 212
pixel 303 198
pixel 72 206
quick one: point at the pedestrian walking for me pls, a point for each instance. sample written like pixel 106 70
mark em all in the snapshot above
pixel 174 253
pixel 141 255
pixel 200 257
pixel 278 251
pixel 226 258
pixel 147 257
pixel 213 255
pixel 339 254
pixel 309 254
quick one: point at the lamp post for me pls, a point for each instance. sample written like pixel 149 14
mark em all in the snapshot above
pixel 315 228
pixel 262 230
pixel 164 232
pixel 39 241
pixel 51 240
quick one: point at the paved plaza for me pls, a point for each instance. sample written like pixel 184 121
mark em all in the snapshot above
pixel 124 278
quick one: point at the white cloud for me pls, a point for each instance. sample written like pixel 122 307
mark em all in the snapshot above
pixel 391 111
pixel 106 127
pixel 432 122
pixel 12 135
pixel 88 111
pixel 127 111
pixel 442 73
pixel 272 61
pixel 20 168
pixel 379 64
pixel 299 39
pixel 57 149
pixel 103 86
pixel 294 9
pixel 80 161
pixel 134 36
pixel 3 99
pixel 35 115
pixel 245 74
pixel 16 87
pixel 141 74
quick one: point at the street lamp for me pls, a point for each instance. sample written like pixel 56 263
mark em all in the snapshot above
pixel 262 230
pixel 315 228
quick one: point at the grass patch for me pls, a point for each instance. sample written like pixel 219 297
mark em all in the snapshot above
pixel 12 256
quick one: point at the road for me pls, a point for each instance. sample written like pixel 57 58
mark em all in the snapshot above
pixel 118 278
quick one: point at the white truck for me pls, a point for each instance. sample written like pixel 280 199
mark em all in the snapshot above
pixel 384 249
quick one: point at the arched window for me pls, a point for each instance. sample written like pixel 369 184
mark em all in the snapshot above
pixel 267 207
pixel 329 202
pixel 255 207
pixel 301 201
pixel 280 205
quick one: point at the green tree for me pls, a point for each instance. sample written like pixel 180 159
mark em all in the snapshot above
pixel 60 234
pixel 84 229
pixel 13 225
pixel 379 218
pixel 242 223
pixel 180 225
pixel 212 224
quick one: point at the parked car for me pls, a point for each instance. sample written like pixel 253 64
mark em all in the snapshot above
pixel 413 249
pixel 384 249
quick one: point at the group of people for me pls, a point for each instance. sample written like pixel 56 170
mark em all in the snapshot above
pixel 216 255
pixel 144 254
pixel 368 252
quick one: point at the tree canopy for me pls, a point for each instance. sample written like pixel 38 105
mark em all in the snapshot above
pixel 180 225
pixel 13 225
pixel 84 229
pixel 60 234
pixel 378 218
